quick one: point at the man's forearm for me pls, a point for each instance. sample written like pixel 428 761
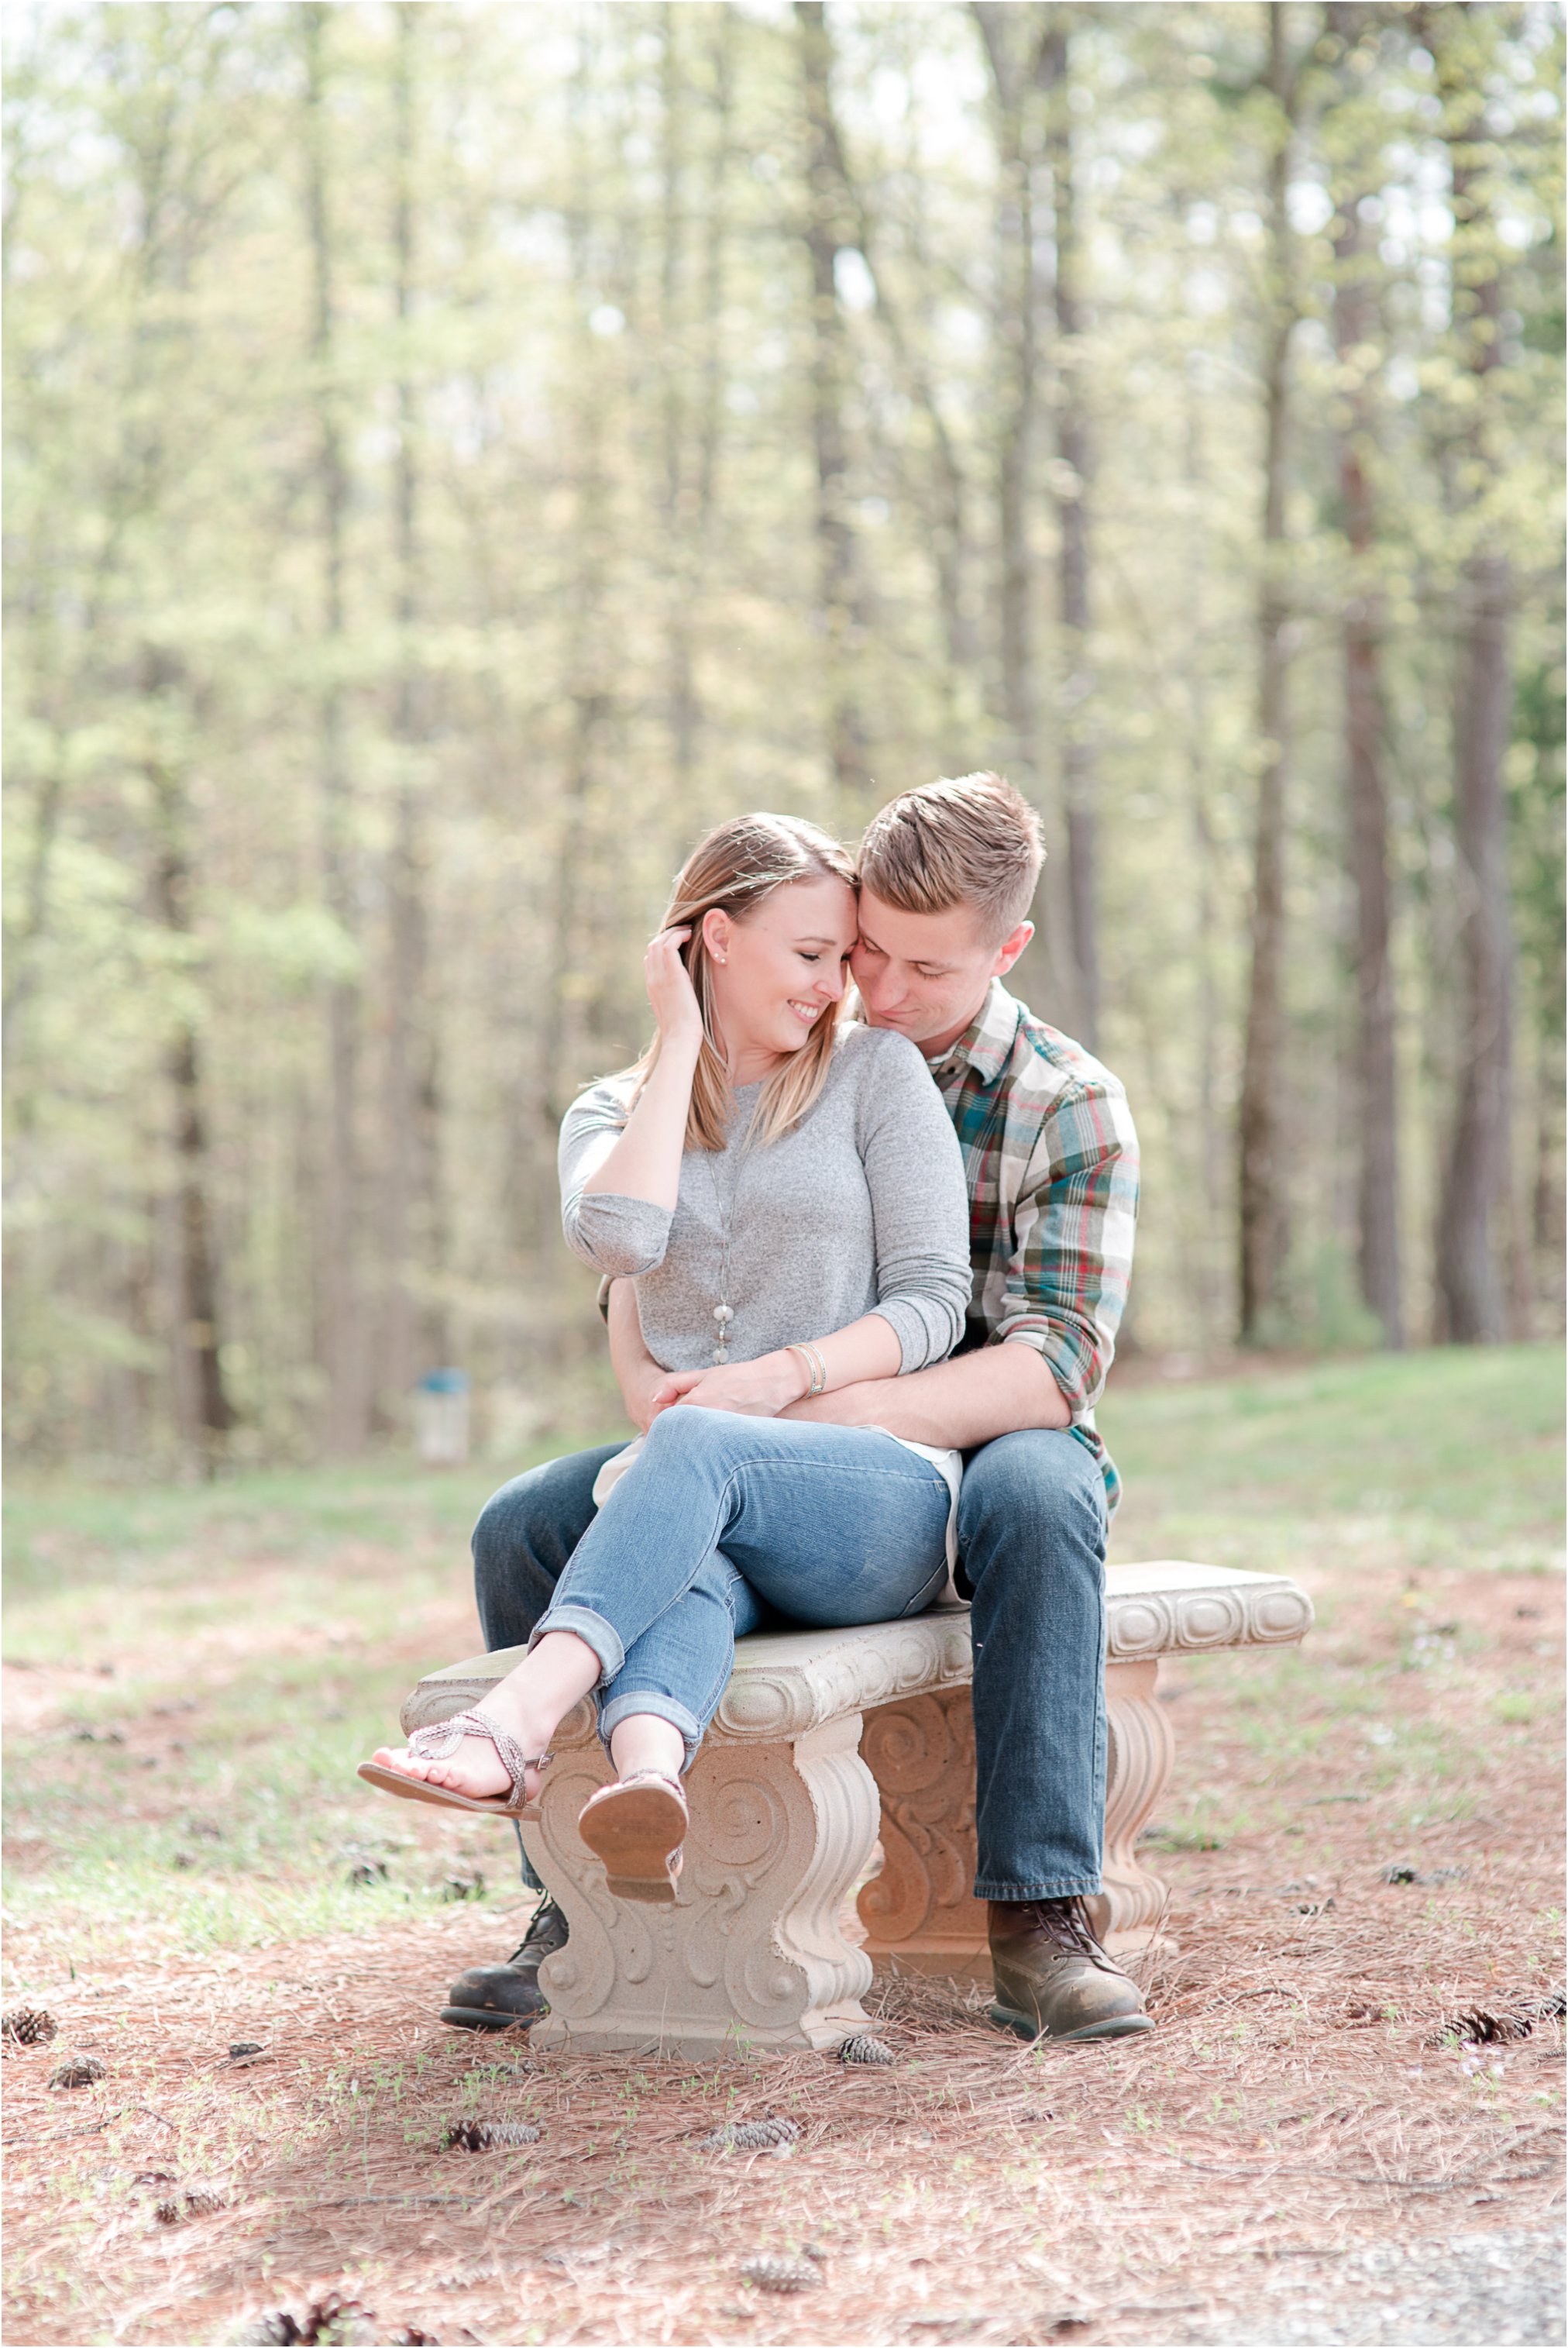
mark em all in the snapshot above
pixel 637 1374
pixel 999 1390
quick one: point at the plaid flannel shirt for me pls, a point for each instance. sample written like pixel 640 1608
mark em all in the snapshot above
pixel 1052 1158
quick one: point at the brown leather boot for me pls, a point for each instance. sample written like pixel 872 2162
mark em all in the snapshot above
pixel 1054 1980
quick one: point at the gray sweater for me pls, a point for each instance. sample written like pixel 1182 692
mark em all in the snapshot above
pixel 860 1207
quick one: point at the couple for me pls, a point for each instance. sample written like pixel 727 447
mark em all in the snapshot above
pixel 801 1219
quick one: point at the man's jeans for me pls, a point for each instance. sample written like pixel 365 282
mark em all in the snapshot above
pixel 1031 1535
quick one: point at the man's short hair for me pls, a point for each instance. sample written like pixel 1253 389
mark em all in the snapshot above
pixel 973 841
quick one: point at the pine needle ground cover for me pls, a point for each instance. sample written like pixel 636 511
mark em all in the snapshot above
pixel 1359 2038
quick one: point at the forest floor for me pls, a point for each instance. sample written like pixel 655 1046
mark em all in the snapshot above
pixel 191 1674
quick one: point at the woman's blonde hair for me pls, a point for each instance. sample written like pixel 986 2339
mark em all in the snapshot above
pixel 734 871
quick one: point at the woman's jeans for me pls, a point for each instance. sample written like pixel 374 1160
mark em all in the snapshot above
pixel 1031 1560
pixel 723 1522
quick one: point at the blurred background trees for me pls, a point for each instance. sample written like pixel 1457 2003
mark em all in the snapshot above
pixel 458 455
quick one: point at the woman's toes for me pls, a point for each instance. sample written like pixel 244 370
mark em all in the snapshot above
pixel 475 1769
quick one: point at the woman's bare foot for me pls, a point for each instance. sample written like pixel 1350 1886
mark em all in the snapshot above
pixel 475 1769
pixel 527 1706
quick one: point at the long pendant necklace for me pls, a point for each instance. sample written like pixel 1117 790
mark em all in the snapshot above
pixel 723 1312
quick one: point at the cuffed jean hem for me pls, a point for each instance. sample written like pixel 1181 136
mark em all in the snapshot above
pixel 591 1628
pixel 645 1701
pixel 1082 1886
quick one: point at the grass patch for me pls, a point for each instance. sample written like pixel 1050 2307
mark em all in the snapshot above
pixel 61 1532
pixel 199 1668
pixel 194 1673
pixel 1451 1458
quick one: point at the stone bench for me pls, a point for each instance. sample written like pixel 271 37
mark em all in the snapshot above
pixel 825 1741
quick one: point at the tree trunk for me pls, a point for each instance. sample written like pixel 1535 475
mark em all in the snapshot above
pixel 837 582
pixel 1261 1188
pixel 1358 329
pixel 672 405
pixel 1014 42
pixel 343 1346
pixel 411 1091
pixel 198 1332
pixel 1477 1179
pixel 1476 1182
pixel 1017 330
pixel 587 665
pixel 1072 444
pixel 692 364
pixel 944 500
pixel 1209 1286
pixel 714 278
pixel 1548 1221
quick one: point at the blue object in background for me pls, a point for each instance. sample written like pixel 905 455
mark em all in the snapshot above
pixel 441 1418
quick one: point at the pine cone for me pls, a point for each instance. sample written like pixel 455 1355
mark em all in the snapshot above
pixel 489 2135
pixel 327 2321
pixel 77 2071
pixel 197 2202
pixel 866 2049
pixel 750 2136
pixel 1484 2029
pixel 337 2323
pixel 1481 2027
pixel 28 2025
pixel 781 2274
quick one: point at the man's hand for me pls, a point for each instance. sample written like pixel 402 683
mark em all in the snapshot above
pixel 999 1390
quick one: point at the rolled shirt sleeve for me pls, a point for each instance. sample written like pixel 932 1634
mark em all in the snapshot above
pixel 619 1236
pixel 1064 1288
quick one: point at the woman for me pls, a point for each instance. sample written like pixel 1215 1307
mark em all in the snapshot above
pixel 788 1197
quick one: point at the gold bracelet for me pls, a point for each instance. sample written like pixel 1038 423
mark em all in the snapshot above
pixel 816 1369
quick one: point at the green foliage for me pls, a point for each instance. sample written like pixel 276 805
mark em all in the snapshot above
pixel 429 782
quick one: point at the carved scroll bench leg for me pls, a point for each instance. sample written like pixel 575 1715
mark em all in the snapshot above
pixel 1128 1911
pixel 921 1751
pixel 921 1909
pixel 752 1952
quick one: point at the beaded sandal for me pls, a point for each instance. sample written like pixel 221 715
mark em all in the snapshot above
pixel 637 1826
pixel 437 1744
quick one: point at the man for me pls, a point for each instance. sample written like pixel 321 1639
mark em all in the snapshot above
pixel 947 873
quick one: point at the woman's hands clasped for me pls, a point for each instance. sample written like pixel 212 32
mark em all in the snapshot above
pixel 670 991
pixel 758 1389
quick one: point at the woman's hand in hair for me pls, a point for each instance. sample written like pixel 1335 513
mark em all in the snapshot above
pixel 670 989
pixel 759 1389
